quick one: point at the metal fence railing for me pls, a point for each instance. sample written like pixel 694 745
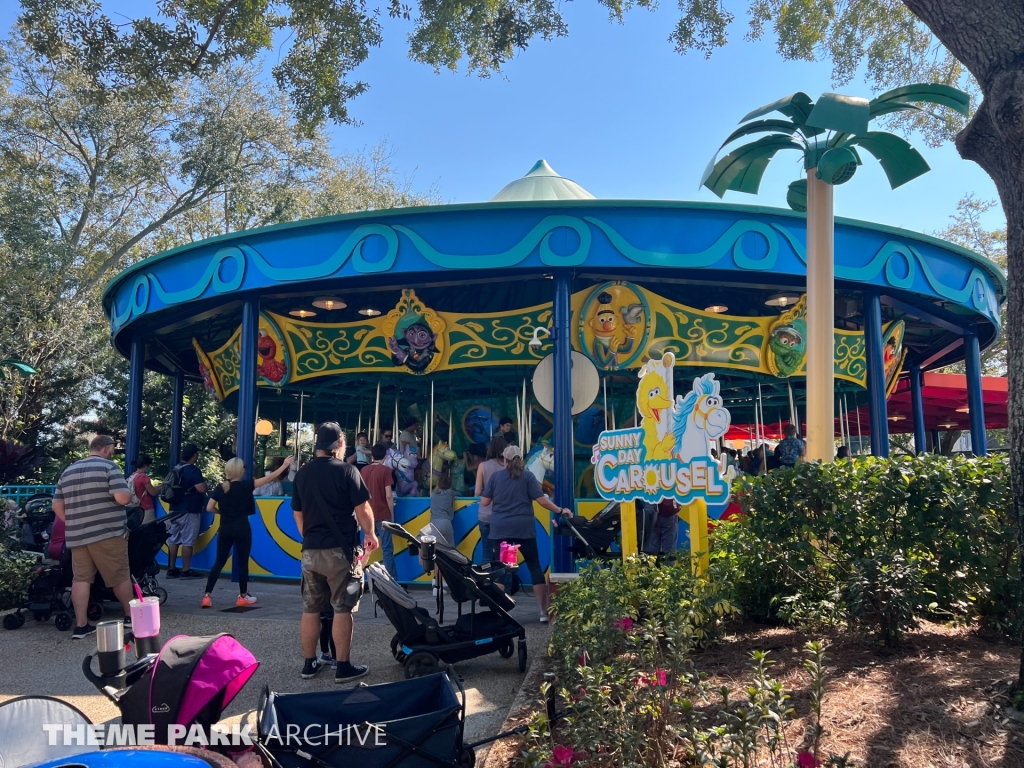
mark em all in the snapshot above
pixel 19 493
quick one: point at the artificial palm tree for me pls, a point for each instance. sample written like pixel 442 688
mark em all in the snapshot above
pixel 21 367
pixel 829 133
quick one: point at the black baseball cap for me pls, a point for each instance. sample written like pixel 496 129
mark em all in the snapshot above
pixel 328 435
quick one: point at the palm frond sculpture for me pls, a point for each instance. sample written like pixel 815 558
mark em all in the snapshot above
pixel 831 133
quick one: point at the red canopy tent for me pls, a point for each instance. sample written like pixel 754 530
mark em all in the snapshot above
pixel 945 408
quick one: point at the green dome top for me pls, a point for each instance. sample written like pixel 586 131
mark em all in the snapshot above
pixel 541 183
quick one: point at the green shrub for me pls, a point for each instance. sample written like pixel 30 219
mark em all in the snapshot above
pixel 876 544
pixel 15 575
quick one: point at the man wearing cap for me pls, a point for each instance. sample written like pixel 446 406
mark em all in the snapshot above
pixel 90 498
pixel 330 504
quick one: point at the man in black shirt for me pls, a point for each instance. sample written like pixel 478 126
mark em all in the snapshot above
pixel 330 504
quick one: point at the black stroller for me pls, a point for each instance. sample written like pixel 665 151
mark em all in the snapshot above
pixel 411 723
pixel 594 537
pixel 421 643
pixel 35 520
pixel 145 540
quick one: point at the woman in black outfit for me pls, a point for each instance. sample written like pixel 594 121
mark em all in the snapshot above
pixel 233 500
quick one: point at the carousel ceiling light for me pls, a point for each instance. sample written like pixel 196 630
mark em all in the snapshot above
pixel 948 424
pixel 302 312
pixel 963 409
pixel 264 427
pixel 781 300
pixel 716 308
pixel 897 417
pixel 369 311
pixel 329 303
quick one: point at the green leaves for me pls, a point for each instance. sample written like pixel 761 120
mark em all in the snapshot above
pixel 742 169
pixel 907 96
pixel 797 106
pixel 877 543
pixel 836 112
pixel 900 161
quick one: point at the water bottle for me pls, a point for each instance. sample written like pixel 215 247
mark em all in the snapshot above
pixel 110 647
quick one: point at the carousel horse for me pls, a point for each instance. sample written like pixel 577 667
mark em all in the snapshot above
pixel 540 461
pixel 441 456
pixel 404 466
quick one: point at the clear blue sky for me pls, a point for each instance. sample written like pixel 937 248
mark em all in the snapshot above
pixel 615 108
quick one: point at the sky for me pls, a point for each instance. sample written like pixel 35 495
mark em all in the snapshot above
pixel 617 110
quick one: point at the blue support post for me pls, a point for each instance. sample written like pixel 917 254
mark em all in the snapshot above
pixel 245 436
pixel 245 440
pixel 136 371
pixel 564 480
pixel 873 347
pixel 975 402
pixel 177 415
pixel 917 404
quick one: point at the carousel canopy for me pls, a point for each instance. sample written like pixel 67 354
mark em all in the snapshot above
pixel 541 183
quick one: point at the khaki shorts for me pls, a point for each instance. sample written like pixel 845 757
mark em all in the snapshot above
pixel 329 577
pixel 109 557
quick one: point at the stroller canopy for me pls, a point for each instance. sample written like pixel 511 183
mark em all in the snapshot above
pixel 193 680
pixel 22 738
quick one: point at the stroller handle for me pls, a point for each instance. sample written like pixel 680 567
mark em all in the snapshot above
pixel 397 530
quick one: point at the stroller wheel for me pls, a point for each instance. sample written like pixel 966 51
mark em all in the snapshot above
pixel 13 620
pixel 507 650
pixel 161 593
pixel 94 612
pixel 420 664
pixel 522 655
pixel 467 758
pixel 63 622
pixel 396 650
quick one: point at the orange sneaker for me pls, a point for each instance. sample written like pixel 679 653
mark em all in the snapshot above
pixel 207 602
pixel 244 600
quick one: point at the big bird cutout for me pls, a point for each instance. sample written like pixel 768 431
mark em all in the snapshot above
pixel 669 455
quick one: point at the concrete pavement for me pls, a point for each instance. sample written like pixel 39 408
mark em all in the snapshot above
pixel 39 660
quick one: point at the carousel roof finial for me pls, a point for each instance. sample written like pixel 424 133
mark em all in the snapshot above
pixel 541 183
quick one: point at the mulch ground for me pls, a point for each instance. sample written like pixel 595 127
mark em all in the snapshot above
pixel 940 700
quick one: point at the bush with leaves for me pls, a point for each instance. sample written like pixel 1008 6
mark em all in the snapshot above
pixel 876 544
pixel 15 572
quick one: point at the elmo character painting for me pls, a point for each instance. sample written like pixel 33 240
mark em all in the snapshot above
pixel 269 367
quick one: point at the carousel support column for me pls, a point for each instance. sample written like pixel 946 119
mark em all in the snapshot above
pixel 975 402
pixel 177 415
pixel 245 440
pixel 820 321
pixel 564 481
pixel 136 372
pixel 917 403
pixel 876 375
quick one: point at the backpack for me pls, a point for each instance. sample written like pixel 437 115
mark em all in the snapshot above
pixel 136 502
pixel 172 491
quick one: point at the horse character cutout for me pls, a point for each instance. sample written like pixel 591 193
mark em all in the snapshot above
pixel 699 417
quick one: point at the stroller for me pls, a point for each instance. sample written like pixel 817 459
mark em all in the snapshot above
pixel 594 537
pixel 421 643
pixel 145 540
pixel 48 594
pixel 35 519
pixel 189 682
pixel 411 723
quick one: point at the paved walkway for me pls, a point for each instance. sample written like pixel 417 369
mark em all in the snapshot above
pixel 37 659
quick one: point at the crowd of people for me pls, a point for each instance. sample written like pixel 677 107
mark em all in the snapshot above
pixel 339 499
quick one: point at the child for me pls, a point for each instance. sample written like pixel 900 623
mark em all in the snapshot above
pixel 442 511
pixel 327 650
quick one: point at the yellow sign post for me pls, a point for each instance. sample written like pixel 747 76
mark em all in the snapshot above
pixel 627 512
pixel 697 518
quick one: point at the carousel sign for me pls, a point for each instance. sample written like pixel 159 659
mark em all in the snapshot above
pixel 669 455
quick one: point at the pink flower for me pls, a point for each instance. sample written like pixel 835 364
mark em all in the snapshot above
pixel 583 659
pixel 625 624
pixel 656 680
pixel 807 760
pixel 562 757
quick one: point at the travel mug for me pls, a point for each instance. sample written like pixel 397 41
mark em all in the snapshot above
pixel 110 647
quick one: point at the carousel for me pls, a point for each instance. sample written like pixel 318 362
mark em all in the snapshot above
pixel 543 306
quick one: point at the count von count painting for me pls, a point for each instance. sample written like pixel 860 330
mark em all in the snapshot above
pixel 669 455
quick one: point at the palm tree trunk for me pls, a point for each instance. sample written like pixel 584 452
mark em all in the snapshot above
pixel 820 320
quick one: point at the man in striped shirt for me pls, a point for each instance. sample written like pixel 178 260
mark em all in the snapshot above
pixel 90 498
